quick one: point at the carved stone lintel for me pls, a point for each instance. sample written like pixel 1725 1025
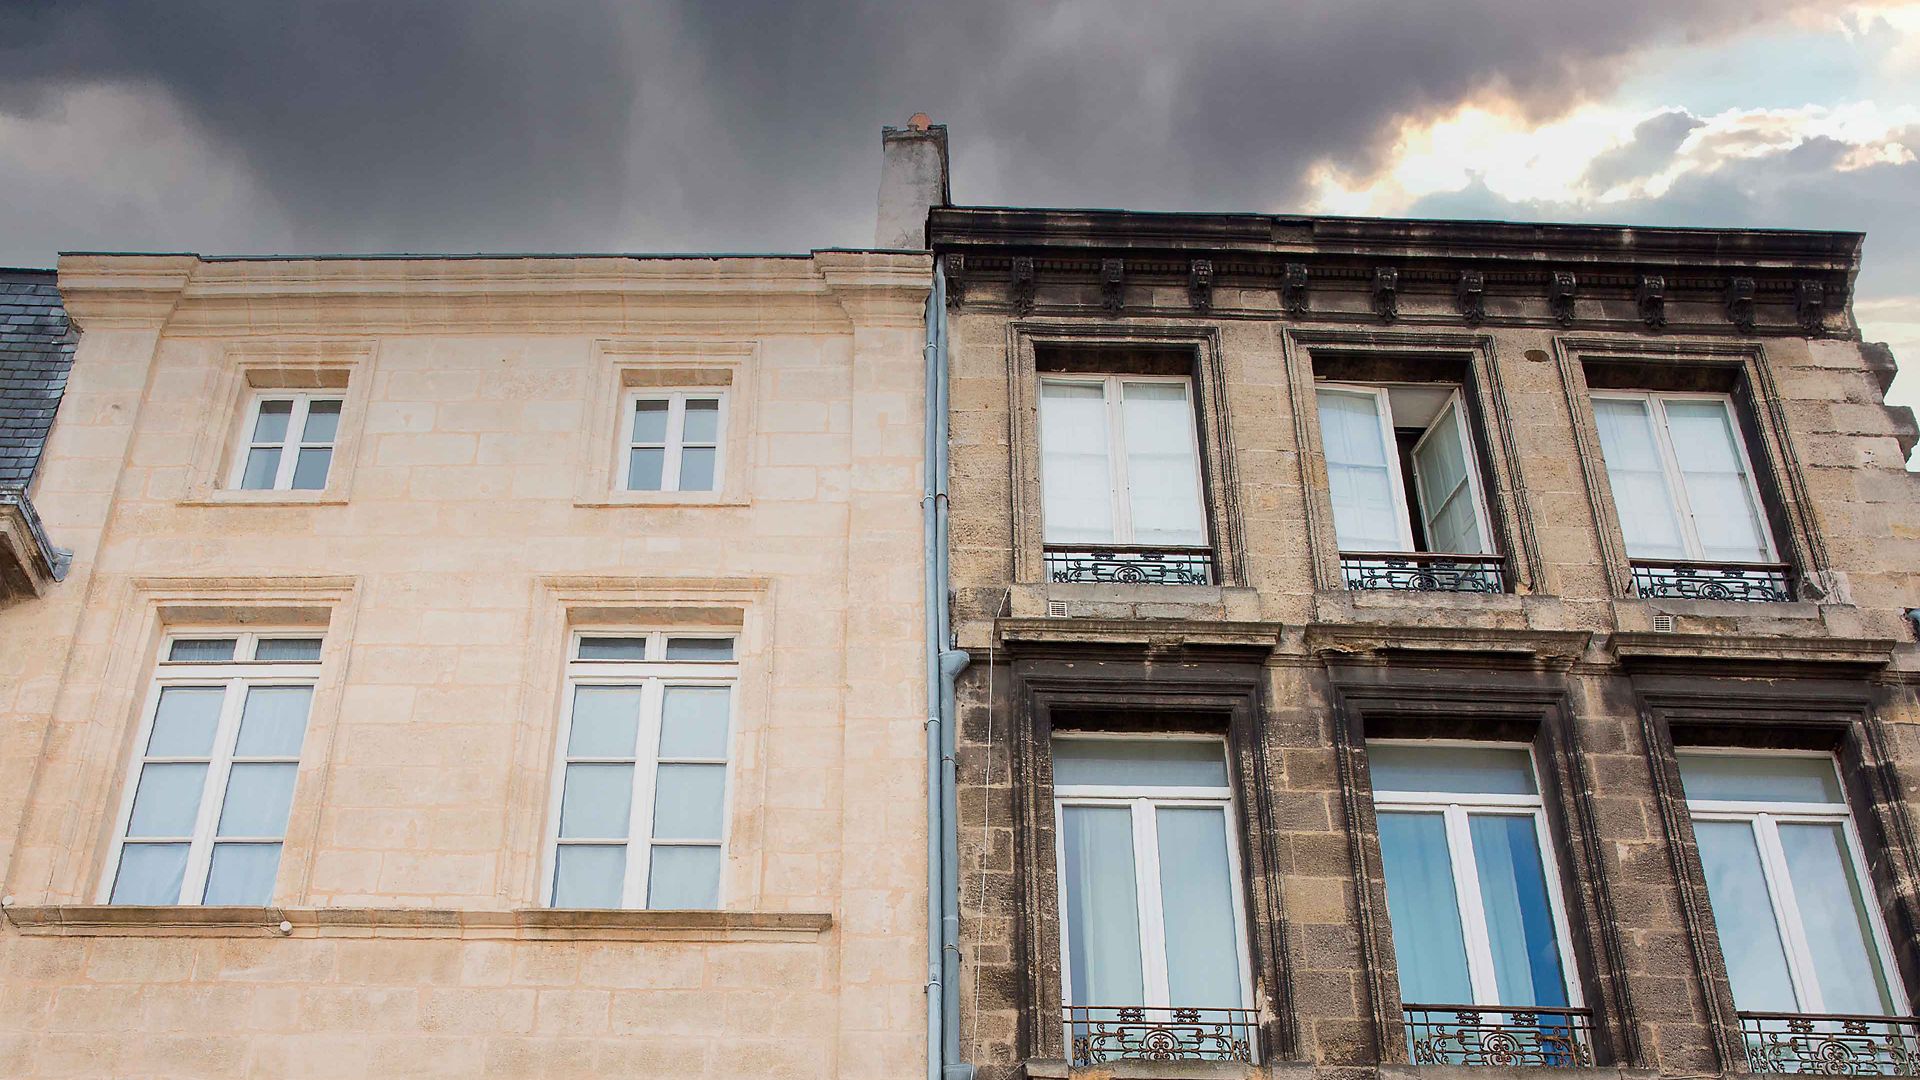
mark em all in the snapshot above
pixel 1560 293
pixel 1740 303
pixel 1113 279
pixel 1472 294
pixel 1021 284
pixel 1651 297
pixel 956 280
pixel 1386 293
pixel 1810 305
pixel 1293 289
pixel 1200 284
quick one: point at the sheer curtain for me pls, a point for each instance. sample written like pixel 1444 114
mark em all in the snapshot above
pixel 1833 913
pixel 1428 940
pixel 1442 472
pixel 1359 474
pixel 1163 476
pixel 1648 518
pixel 1743 912
pixel 1103 911
pixel 1724 515
pixel 1075 475
pixel 1196 889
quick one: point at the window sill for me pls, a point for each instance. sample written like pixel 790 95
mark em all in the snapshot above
pixel 1511 1072
pixel 1055 1069
pixel 236 497
pixel 663 498
pixel 523 924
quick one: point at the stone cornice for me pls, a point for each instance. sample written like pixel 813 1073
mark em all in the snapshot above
pixel 1765 654
pixel 524 924
pixel 1552 648
pixel 1138 633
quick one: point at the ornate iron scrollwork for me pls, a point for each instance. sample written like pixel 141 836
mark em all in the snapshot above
pixel 1518 1037
pixel 1831 1045
pixel 1130 566
pixel 1760 582
pixel 1139 1033
pixel 1421 572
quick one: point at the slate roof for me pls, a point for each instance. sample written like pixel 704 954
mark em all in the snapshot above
pixel 36 350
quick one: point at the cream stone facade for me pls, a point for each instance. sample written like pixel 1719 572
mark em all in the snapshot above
pixel 470 523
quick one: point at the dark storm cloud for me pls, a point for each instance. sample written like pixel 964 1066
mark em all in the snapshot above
pixel 1651 149
pixel 453 125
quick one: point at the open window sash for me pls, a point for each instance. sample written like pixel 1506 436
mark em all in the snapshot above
pixel 1452 505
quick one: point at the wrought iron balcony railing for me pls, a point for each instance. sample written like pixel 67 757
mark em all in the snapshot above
pixel 1098 1034
pixel 1665 578
pixel 1130 565
pixel 1500 1035
pixel 1421 571
pixel 1831 1044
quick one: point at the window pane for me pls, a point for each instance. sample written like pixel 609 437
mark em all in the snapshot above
pixel 323 422
pixel 167 800
pixel 271 425
pixel 1146 763
pixel 1760 778
pixel 588 875
pixel 262 465
pixel 1076 479
pixel 687 648
pixel 1833 915
pixel 684 878
pixel 149 874
pixel 696 468
pixel 693 722
pixel 1638 478
pixel 597 801
pixel 1724 514
pixel 1103 911
pixel 1440 468
pixel 701 423
pixel 274 721
pixel 184 722
pixel 1743 912
pixel 606 722
pixel 1366 510
pixel 689 801
pixel 613 648
pixel 650 421
pixel 310 469
pixel 242 874
pixel 644 467
pixel 258 797
pixel 1471 770
pixel 201 650
pixel 1427 938
pixel 1196 893
pixel 287 650
pixel 1513 892
pixel 1163 475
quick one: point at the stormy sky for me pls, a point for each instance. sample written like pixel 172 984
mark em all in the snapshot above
pixel 746 125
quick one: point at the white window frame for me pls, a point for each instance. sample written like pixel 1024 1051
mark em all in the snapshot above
pixel 675 440
pixel 234 677
pixel 1476 490
pixel 1681 506
pixel 1765 818
pixel 1142 802
pixel 652 677
pixel 292 444
pixel 1454 808
pixel 1119 490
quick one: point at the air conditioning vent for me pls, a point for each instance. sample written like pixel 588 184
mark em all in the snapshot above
pixel 1056 609
pixel 1663 624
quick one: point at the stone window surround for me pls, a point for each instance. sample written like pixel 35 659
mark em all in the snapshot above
pixel 1218 472
pixel 622 366
pixel 1688 710
pixel 1384 700
pixel 245 371
pixel 1759 410
pixel 1211 690
pixel 1488 420
pixel 104 745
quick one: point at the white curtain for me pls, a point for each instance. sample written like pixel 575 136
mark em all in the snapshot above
pixel 1354 437
pixel 1513 893
pixel 1724 515
pixel 1743 912
pixel 1163 475
pixel 1639 480
pixel 1196 891
pixel 1103 911
pixel 1443 474
pixel 1076 477
pixel 1833 915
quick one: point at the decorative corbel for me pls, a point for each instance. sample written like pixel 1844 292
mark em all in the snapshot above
pixel 1386 289
pixel 1021 285
pixel 1200 284
pixel 1560 290
pixel 1293 289
pixel 956 280
pixel 1740 303
pixel 1113 278
pixel 1810 305
pixel 1651 297
pixel 1472 294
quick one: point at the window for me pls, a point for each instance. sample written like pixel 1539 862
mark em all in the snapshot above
pixel 673 441
pixel 1475 904
pixel 289 443
pixel 206 807
pixel 1373 437
pixel 1150 896
pixel 639 800
pixel 1785 878
pixel 1681 478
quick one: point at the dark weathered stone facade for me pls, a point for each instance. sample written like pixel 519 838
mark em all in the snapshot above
pixel 1297 670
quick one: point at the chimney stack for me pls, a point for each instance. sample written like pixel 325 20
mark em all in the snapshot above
pixel 913 177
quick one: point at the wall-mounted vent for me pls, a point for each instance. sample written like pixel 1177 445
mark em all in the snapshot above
pixel 1663 624
pixel 1056 609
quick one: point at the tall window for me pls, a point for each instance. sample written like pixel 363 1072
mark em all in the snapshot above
pixel 205 811
pixel 289 442
pixel 1401 469
pixel 1150 891
pixel 1681 478
pixel 1474 902
pixel 673 441
pixel 1121 464
pixel 639 800
pixel 1785 877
